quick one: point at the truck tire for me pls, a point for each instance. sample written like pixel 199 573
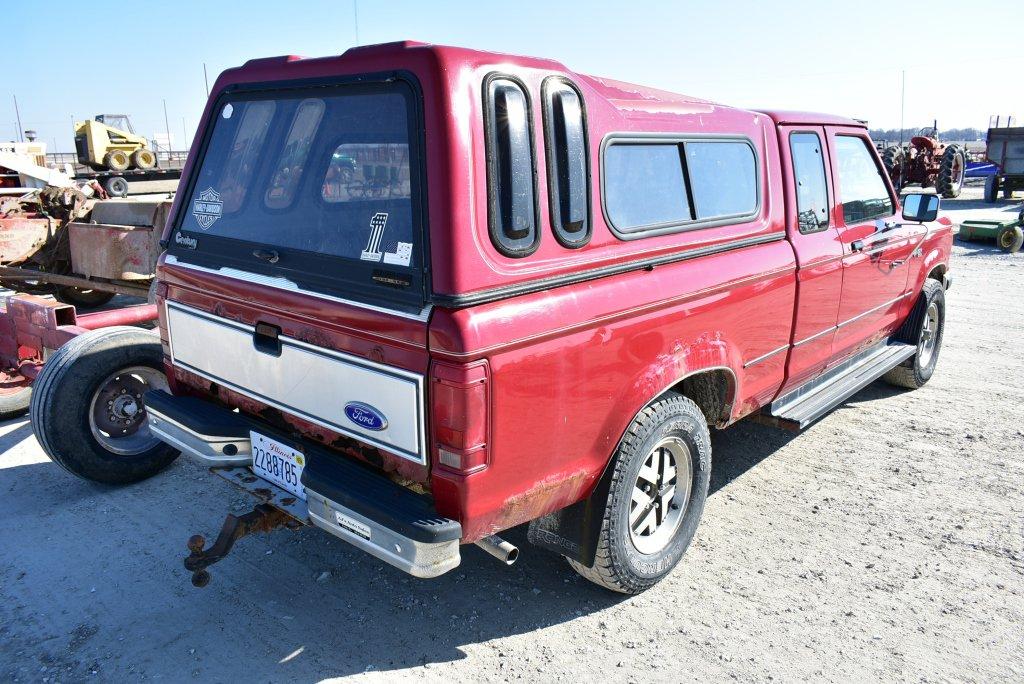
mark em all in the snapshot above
pixel 660 475
pixel 952 167
pixel 1010 239
pixel 117 160
pixel 86 299
pixel 116 186
pixel 87 410
pixel 923 328
pixel 991 189
pixel 14 403
pixel 892 160
pixel 143 159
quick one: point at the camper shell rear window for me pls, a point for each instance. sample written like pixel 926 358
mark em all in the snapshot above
pixel 317 184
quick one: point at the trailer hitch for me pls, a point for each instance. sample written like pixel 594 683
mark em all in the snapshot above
pixel 262 518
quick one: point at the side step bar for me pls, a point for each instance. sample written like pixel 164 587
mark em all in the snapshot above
pixel 804 405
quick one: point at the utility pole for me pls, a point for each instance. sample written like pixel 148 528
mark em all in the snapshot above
pixel 167 127
pixel 903 103
pixel 184 134
pixel 17 114
pixel 206 80
pixel 355 16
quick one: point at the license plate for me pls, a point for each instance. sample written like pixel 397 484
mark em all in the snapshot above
pixel 278 463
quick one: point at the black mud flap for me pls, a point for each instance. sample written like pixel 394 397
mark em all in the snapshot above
pixel 573 531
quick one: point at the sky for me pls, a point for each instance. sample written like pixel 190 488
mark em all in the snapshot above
pixel 962 59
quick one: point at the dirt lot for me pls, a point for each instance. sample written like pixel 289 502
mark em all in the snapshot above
pixel 886 542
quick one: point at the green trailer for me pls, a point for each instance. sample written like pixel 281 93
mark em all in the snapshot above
pixel 1009 235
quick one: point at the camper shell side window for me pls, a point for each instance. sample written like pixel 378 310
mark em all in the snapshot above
pixel 663 183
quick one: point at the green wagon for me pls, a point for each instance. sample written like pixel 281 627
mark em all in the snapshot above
pixel 1009 235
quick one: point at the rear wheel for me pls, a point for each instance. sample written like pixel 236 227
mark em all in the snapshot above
pixel 924 328
pixel 117 160
pixel 951 172
pixel 87 299
pixel 87 408
pixel 14 401
pixel 659 485
pixel 892 159
pixel 143 159
pixel 991 188
pixel 1010 239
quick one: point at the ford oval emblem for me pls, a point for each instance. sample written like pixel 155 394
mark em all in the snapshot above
pixel 365 416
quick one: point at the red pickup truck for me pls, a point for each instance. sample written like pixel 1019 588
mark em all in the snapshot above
pixel 418 295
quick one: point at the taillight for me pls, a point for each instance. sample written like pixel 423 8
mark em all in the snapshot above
pixel 459 411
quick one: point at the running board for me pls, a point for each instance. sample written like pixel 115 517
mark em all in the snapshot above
pixel 804 405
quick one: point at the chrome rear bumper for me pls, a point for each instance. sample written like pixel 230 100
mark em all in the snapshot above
pixel 350 501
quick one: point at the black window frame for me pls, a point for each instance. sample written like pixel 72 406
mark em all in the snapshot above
pixel 879 169
pixel 679 139
pixel 825 162
pixel 376 287
pixel 493 226
pixel 564 237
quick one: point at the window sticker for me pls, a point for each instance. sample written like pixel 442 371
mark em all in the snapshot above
pixel 207 208
pixel 377 224
pixel 401 256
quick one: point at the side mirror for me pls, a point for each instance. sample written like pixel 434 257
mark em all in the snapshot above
pixel 920 207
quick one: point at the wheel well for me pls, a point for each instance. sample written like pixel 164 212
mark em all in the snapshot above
pixel 713 392
pixel 938 273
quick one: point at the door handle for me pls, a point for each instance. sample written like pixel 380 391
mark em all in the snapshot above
pixel 857 246
pixel 896 262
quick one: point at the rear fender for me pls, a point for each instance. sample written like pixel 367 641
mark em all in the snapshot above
pixel 574 530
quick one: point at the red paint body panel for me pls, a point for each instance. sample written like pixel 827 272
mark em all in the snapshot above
pixel 567 368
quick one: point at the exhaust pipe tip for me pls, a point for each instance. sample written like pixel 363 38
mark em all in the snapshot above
pixel 499 548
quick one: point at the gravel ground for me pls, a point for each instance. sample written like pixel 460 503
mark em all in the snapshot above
pixel 885 542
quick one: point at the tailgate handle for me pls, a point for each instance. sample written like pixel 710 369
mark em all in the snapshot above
pixel 267 339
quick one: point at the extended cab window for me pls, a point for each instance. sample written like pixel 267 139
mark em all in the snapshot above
pixel 861 187
pixel 315 185
pixel 811 188
pixel 662 186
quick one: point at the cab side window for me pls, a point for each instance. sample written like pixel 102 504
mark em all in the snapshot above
pixel 861 187
pixel 809 176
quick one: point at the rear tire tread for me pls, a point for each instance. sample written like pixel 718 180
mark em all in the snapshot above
pixel 605 571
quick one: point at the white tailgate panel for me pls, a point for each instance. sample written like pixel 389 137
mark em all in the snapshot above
pixel 307 381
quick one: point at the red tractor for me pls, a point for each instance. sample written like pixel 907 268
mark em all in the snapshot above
pixel 928 162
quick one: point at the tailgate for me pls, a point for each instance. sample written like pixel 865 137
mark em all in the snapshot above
pixel 377 404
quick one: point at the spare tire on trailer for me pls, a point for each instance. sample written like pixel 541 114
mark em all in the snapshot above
pixel 116 186
pixel 952 167
pixel 143 159
pixel 117 160
pixel 87 406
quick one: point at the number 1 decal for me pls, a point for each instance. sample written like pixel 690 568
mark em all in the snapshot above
pixel 402 254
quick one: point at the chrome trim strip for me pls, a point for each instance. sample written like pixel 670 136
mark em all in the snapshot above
pixel 815 336
pixel 872 310
pixel 365 364
pixel 763 357
pixel 290 286
pixel 851 320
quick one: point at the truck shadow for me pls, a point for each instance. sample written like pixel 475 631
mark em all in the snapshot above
pixel 299 605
